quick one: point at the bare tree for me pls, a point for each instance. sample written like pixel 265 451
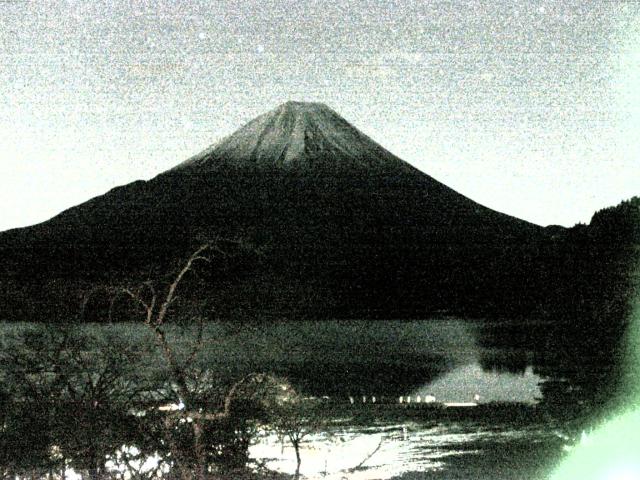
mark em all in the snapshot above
pixel 156 305
pixel 154 300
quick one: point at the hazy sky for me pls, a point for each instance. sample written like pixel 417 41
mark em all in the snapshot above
pixel 530 107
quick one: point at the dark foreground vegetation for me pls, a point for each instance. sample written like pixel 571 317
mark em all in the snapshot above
pixel 79 396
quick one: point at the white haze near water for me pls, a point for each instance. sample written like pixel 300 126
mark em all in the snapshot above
pixel 531 108
pixel 462 384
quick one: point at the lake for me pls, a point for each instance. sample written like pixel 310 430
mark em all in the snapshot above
pixel 392 387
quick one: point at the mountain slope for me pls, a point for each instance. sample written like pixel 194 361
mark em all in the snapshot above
pixel 344 229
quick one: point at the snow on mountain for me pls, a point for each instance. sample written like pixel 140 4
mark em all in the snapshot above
pixel 297 135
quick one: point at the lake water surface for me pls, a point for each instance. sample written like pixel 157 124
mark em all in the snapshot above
pixel 349 363
pixel 420 450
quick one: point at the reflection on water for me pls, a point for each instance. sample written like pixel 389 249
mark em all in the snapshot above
pixel 385 451
pixel 415 450
pixel 341 358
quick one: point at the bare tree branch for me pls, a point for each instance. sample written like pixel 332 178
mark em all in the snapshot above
pixel 174 285
pixel 155 298
pixel 197 347
pixel 367 458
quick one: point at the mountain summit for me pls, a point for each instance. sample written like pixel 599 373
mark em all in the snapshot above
pixel 297 136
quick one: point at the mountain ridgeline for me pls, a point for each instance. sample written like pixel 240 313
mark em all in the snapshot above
pixel 332 226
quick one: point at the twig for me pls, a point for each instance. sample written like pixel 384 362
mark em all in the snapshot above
pixel 367 458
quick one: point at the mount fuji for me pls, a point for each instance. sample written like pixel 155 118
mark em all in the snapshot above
pixel 339 228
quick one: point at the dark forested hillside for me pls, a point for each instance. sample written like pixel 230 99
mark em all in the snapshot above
pixel 587 278
pixel 599 277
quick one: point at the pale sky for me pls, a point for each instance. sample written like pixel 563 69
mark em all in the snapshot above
pixel 529 107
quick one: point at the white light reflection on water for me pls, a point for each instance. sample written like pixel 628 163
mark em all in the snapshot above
pixel 385 451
